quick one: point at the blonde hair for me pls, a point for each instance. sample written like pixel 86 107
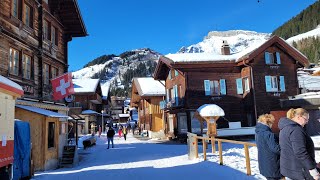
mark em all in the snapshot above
pixel 266 119
pixel 296 112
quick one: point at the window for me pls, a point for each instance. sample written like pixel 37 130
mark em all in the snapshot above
pixel 176 73
pixel 215 87
pixel 54 36
pixel 272 58
pixel 15 8
pixel 246 84
pixel 239 86
pixel 54 72
pixel 170 75
pixel 28 15
pixel 46 74
pixel 275 83
pixel 51 133
pixel 26 66
pixel 46 30
pixel 14 62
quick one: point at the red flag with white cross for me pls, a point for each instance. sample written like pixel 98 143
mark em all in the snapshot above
pixel 62 86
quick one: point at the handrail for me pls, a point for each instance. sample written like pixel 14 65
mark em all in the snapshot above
pixel 213 139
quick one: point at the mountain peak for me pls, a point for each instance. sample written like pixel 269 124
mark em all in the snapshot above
pixel 238 40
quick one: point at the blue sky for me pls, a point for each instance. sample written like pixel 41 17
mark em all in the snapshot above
pixel 115 26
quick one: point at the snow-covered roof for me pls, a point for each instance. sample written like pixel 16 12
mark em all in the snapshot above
pixel 308 95
pixel 42 111
pixel 10 85
pixel 85 85
pixel 88 112
pixel 206 57
pixel 147 86
pixel 124 115
pixel 309 82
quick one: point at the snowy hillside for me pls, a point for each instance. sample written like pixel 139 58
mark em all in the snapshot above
pixel 238 40
pixel 312 33
pixel 114 72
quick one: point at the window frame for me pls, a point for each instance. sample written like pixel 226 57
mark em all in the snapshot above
pixel 14 64
pixel 46 30
pixel 26 70
pixel 274 83
pixel 15 8
pixel 28 18
pixel 246 84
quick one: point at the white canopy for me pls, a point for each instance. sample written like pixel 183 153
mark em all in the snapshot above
pixel 207 110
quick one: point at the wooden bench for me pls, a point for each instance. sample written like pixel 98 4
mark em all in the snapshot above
pixel 89 142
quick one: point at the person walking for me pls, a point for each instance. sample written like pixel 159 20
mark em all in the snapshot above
pixel 297 158
pixel 125 131
pixel 110 135
pixel 120 131
pixel 268 148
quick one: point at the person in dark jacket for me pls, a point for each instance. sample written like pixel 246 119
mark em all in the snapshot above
pixel 110 135
pixel 268 148
pixel 297 158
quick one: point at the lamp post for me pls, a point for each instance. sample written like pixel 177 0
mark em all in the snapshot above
pixel 102 126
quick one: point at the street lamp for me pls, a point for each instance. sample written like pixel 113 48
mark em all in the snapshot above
pixel 102 126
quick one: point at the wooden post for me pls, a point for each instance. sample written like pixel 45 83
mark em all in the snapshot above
pixel 197 150
pixel 246 151
pixel 213 146
pixel 220 152
pixel 204 149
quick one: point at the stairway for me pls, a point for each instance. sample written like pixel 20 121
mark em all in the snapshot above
pixel 68 156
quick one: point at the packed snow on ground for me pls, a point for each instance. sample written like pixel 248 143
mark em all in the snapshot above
pixel 157 160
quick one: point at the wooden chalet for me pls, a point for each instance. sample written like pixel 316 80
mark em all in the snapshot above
pixel 245 85
pixel 146 96
pixel 34 36
pixel 86 102
pixel 116 107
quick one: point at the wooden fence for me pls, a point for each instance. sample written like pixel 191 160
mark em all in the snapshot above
pixel 213 139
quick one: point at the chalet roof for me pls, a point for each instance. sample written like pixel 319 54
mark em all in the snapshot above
pixel 70 17
pixel 149 87
pixel 176 60
pixel 11 86
pixel 85 85
pixel 311 83
pixel 90 112
pixel 42 111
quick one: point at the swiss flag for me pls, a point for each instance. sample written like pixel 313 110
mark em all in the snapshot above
pixel 62 86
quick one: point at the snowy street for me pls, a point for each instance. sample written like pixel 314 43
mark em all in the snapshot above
pixel 152 159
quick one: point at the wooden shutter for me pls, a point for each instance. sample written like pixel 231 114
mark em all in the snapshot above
pixel 207 87
pixel 239 86
pixel 268 83
pixel 278 58
pixel 176 97
pixel 176 73
pixel 282 84
pixel 267 57
pixel 223 89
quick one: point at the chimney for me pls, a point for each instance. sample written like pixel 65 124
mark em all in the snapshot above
pixel 225 49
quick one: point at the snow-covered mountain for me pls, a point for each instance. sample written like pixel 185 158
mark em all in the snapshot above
pixel 117 71
pixel 238 40
pixel 313 33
